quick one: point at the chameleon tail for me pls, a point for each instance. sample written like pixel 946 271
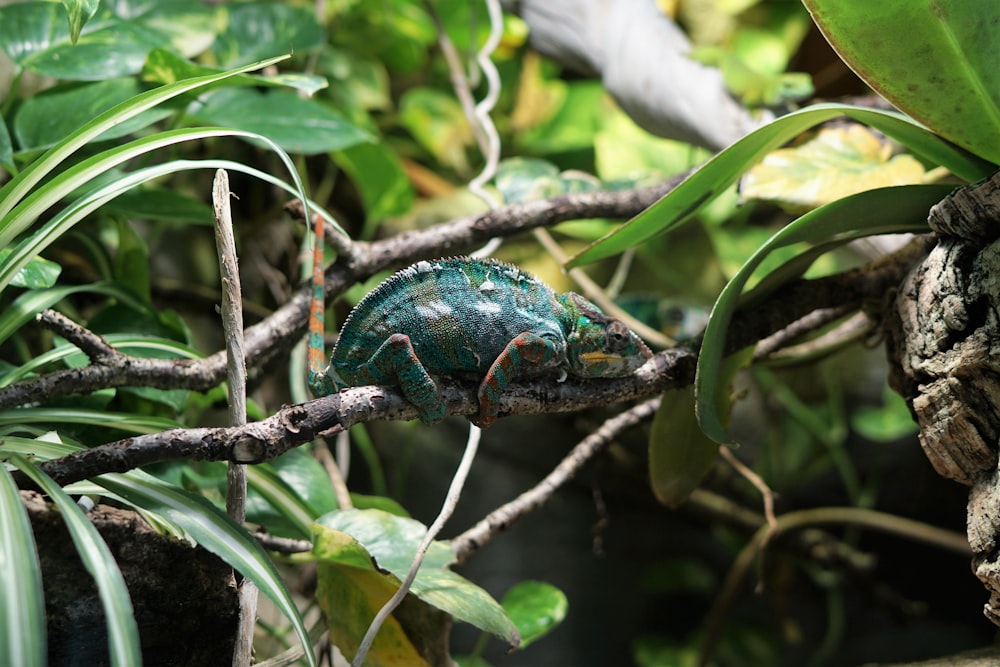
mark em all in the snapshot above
pixel 319 381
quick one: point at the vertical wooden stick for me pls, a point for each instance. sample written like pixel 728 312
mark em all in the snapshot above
pixel 232 325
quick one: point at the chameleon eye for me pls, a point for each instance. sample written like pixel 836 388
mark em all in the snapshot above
pixel 616 336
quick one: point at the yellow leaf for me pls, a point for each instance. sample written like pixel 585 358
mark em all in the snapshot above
pixel 837 162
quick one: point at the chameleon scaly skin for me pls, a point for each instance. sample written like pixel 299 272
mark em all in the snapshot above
pixel 462 316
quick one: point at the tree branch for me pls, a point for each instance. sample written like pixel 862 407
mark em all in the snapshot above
pixel 278 333
pixel 670 369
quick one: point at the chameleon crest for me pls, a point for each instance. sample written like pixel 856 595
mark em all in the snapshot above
pixel 481 317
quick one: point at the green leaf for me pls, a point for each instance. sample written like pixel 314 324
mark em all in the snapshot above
pixel 438 123
pixel 391 542
pixel 881 211
pixel 36 274
pixel 22 610
pixel 723 170
pixel 890 421
pixel 680 454
pixel 524 179
pixel 163 66
pixel 53 115
pixel 78 12
pixel 571 126
pixel 6 148
pixel 536 608
pixel 123 421
pixel 379 178
pixel 298 125
pixel 37 37
pixel 15 190
pixel 934 61
pixel 29 304
pixel 123 633
pixel 256 31
pixel 163 204
pixel 132 260
pixel 214 530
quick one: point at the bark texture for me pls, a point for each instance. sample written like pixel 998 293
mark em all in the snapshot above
pixel 944 342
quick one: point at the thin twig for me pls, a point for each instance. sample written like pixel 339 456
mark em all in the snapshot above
pixel 94 346
pixel 333 471
pixel 792 521
pixel 447 509
pixel 815 320
pixel 277 334
pixel 504 516
pixel 283 545
pixel 232 326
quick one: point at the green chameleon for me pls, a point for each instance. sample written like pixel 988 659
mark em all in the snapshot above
pixel 464 316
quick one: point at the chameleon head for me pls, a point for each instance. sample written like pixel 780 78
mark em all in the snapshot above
pixel 598 345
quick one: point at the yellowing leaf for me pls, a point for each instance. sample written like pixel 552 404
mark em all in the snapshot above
pixel 350 598
pixel 837 162
pixel 364 555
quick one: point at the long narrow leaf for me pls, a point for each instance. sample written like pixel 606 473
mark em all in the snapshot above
pixel 881 211
pixel 123 632
pixel 31 303
pixel 21 216
pixel 19 186
pixel 51 446
pixel 124 421
pixel 72 214
pixel 719 173
pixel 215 531
pixel 266 481
pixel 22 610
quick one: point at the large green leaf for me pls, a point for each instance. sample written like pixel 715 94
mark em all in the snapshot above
pixel 78 12
pixel 936 61
pixel 38 37
pixel 36 274
pixel 298 125
pixel 536 608
pixel 379 177
pixel 723 170
pixel 881 211
pixel 53 115
pixel 258 30
pixel 371 539
pixel 22 611
pixel 680 454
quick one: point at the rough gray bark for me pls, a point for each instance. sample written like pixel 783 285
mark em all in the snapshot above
pixel 944 340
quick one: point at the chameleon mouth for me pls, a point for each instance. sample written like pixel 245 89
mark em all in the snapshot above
pixel 597 357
